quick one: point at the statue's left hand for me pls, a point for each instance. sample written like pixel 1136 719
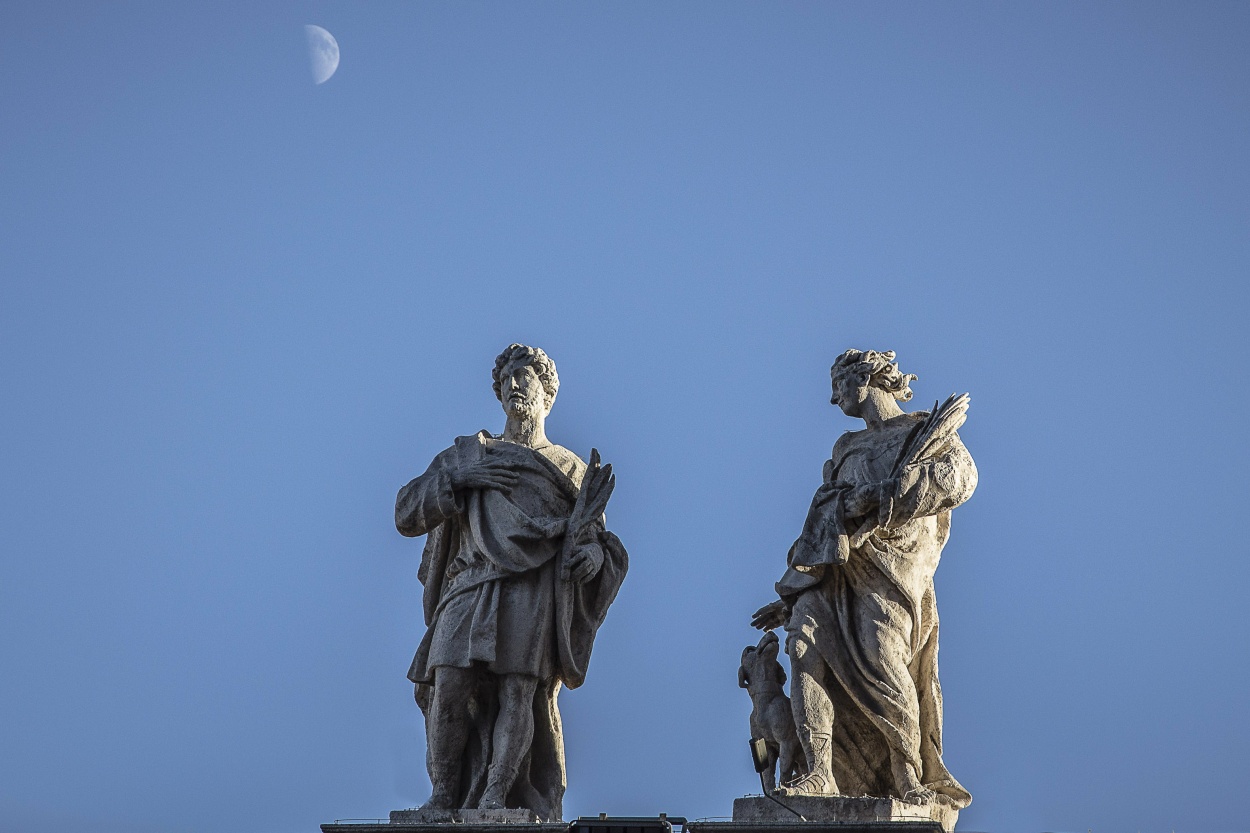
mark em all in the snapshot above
pixel 584 563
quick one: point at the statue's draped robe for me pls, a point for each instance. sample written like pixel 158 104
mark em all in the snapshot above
pixel 869 609
pixel 494 598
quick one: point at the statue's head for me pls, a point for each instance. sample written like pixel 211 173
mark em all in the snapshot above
pixel 856 371
pixel 525 381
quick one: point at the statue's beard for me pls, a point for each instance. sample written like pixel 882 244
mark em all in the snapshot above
pixel 525 409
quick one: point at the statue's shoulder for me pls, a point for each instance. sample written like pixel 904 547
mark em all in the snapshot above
pixel 845 443
pixel 898 428
pixel 908 422
pixel 895 434
pixel 567 461
pixel 480 438
pixel 468 443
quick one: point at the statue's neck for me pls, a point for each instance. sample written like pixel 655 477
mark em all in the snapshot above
pixel 879 408
pixel 528 431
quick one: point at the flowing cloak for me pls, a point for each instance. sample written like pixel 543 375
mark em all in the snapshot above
pixel 494 598
pixel 870 610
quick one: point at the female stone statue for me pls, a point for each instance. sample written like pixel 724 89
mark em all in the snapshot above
pixel 857 597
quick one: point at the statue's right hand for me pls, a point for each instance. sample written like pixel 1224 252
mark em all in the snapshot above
pixel 485 474
pixel 770 616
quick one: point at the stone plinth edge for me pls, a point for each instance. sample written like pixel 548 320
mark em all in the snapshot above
pixel 839 811
pixel 420 816
pixel 444 827
pixel 815 827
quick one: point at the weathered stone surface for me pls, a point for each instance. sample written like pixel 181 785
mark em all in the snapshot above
pixel 840 810
pixel 379 826
pixel 518 572
pixel 430 816
pixel 857 598
pixel 796 826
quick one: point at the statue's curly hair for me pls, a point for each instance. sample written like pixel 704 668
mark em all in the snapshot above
pixel 535 358
pixel 877 369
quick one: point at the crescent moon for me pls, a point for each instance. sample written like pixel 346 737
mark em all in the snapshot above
pixel 323 53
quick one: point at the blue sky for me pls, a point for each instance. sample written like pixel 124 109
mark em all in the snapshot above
pixel 238 311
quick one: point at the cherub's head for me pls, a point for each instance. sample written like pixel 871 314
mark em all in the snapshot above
pixel 855 371
pixel 525 381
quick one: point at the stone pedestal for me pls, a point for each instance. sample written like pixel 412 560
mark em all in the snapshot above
pixel 440 821
pixel 840 811
pixel 472 817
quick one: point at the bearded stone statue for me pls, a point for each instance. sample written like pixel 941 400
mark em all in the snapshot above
pixel 518 573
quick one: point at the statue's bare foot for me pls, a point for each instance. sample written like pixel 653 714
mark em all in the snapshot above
pixel 813 783
pixel 490 803
pixel 921 795
pixel 440 801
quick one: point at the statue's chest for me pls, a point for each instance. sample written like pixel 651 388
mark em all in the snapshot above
pixel 869 461
pixel 538 498
pixel 537 494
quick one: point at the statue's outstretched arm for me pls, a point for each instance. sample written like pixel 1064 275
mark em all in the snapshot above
pixel 770 616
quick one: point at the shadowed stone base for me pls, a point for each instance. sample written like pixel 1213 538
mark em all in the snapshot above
pixel 438 821
pixel 419 816
pixel 842 810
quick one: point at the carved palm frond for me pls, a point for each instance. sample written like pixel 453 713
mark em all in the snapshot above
pixel 592 499
pixel 934 432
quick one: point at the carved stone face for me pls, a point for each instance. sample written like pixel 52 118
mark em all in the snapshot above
pixel 521 392
pixel 849 392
